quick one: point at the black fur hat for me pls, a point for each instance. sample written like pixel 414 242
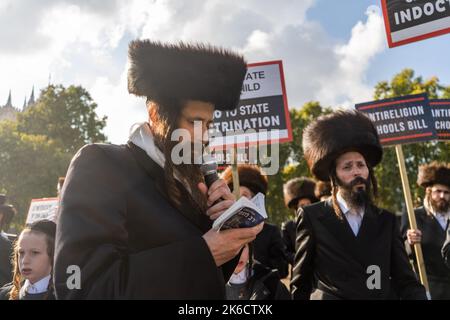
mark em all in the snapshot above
pixel 332 135
pixel 323 189
pixel 299 188
pixel 250 176
pixel 169 72
pixel 8 212
pixel 45 226
pixel 434 173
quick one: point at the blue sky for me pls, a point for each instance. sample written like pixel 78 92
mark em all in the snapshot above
pixel 426 57
pixel 333 51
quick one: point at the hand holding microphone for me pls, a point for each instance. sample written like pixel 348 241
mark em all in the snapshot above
pixel 219 196
pixel 224 245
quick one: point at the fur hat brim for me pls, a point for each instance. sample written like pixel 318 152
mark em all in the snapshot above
pixel 323 189
pixel 168 72
pixel 434 173
pixel 331 135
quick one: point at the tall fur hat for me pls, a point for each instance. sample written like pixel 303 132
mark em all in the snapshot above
pixel 250 176
pixel 169 72
pixel 332 135
pixel 434 173
pixel 298 188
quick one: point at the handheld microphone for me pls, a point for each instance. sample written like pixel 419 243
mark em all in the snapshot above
pixel 209 170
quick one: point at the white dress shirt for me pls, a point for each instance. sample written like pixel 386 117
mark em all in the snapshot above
pixel 354 219
pixel 442 218
pixel 38 287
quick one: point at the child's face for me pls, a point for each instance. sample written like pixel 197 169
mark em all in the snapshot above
pixel 34 262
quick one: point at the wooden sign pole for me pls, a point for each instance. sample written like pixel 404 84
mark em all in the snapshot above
pixel 411 216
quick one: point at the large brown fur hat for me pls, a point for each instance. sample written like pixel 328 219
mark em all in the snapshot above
pixel 323 189
pixel 331 135
pixel 434 173
pixel 298 188
pixel 250 176
pixel 176 73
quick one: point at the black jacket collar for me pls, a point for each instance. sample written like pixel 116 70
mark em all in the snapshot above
pixel 358 246
pixel 157 174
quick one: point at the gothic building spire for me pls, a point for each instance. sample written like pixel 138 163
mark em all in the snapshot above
pixel 9 102
pixel 31 101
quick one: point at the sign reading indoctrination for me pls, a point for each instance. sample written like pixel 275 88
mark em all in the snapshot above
pixel 262 115
pixel 413 20
pixel 401 120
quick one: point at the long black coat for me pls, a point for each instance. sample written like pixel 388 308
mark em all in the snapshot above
pixel 269 249
pixel 116 223
pixel 288 230
pixel 446 248
pixel 5 261
pixel 433 237
pixel 332 263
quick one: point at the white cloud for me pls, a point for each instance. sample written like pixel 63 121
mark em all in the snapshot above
pixel 84 42
pixel 122 109
pixel 367 40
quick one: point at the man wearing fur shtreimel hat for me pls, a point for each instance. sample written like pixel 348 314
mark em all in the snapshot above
pixel 346 247
pixel 136 218
pixel 432 222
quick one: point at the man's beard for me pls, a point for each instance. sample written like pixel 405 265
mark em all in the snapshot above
pixel 190 174
pixel 440 205
pixel 358 198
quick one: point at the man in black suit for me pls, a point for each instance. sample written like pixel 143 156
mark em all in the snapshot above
pixel 136 219
pixel 268 247
pixel 6 214
pixel 432 223
pixel 347 248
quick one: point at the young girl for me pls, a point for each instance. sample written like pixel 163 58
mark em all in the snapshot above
pixel 33 261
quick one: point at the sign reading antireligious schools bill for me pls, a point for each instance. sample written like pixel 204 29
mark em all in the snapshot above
pixel 401 120
pixel 440 108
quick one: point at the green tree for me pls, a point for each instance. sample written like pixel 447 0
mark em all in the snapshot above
pixel 29 167
pixel 36 149
pixel 65 115
pixel 391 194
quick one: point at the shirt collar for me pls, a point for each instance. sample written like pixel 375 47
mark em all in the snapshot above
pixel 141 135
pixel 39 287
pixel 436 214
pixel 4 235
